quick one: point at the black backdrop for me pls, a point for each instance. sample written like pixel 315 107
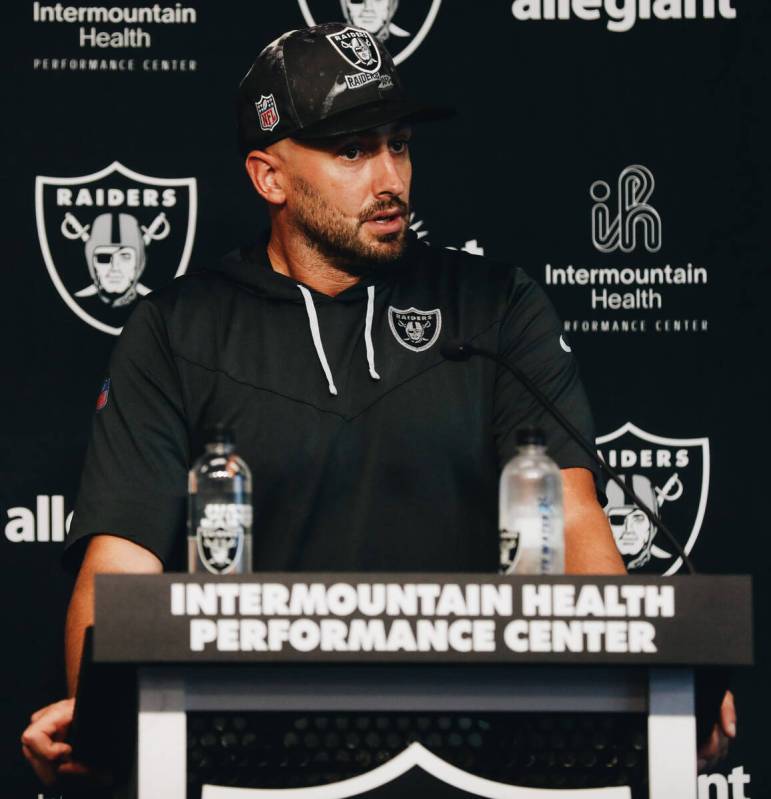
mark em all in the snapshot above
pixel 548 107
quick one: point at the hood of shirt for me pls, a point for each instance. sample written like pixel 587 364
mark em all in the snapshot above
pixel 251 268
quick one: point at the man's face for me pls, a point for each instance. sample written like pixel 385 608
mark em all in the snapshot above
pixel 115 267
pixel 349 196
pixel 371 15
pixel 631 529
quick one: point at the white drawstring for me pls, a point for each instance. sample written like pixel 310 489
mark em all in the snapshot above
pixel 368 333
pixel 313 321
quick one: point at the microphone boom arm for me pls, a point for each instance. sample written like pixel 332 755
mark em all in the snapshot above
pixel 462 351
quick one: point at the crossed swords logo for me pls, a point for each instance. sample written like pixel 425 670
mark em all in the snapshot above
pixel 671 492
pixel 71 229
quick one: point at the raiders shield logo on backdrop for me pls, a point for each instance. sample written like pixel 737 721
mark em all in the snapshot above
pixel 415 329
pixel 400 26
pixel 113 236
pixel 671 475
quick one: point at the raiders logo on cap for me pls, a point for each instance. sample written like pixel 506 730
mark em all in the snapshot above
pixel 357 47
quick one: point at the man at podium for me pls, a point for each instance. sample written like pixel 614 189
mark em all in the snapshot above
pixel 319 346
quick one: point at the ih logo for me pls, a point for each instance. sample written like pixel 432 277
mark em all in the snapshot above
pixel 415 329
pixel 403 26
pixel 111 237
pixel 633 216
pixel 671 475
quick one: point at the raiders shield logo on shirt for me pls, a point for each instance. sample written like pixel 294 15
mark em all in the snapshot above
pixel 415 329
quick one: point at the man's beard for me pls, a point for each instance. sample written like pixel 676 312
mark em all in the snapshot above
pixel 336 237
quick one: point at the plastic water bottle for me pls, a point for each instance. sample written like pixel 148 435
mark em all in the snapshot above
pixel 219 532
pixel 530 512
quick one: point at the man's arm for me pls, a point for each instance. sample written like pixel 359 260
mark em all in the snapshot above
pixel 43 742
pixel 589 544
pixel 106 554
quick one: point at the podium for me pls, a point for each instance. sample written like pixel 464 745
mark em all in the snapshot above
pixel 450 643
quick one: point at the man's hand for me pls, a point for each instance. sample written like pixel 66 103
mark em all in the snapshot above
pixel 44 740
pixel 43 745
pixel 723 731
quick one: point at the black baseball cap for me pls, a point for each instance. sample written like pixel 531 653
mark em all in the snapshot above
pixel 323 81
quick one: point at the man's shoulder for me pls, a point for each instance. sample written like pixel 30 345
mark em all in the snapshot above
pixel 191 291
pixel 462 270
pixel 190 305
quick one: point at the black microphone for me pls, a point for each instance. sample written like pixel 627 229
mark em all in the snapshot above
pixel 457 350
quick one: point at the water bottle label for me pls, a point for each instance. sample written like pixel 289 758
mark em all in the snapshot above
pixel 509 540
pixel 525 549
pixel 220 535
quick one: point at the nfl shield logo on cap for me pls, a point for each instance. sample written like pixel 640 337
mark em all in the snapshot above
pixel 267 112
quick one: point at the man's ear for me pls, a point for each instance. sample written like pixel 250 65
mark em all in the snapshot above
pixel 264 171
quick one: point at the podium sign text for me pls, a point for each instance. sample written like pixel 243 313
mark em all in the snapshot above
pixel 271 617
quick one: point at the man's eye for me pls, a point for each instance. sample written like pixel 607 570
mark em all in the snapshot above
pixel 399 145
pixel 351 153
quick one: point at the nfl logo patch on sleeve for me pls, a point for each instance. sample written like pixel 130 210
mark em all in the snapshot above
pixel 101 400
pixel 267 112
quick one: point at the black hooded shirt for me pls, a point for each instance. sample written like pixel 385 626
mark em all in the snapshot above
pixel 369 451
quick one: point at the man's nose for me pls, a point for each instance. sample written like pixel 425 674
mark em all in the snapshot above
pixel 387 178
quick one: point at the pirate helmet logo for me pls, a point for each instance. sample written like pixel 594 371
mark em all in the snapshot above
pixel 671 476
pixel 374 16
pixel 115 257
pixel 509 550
pixel 415 329
pixel 358 48
pixel 220 535
pixel 402 25
pixel 220 548
pixel 108 238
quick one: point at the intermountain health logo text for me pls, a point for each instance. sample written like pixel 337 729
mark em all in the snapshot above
pixel 622 294
pixel 103 30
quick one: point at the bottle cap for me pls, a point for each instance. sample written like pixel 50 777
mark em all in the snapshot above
pixel 531 435
pixel 219 434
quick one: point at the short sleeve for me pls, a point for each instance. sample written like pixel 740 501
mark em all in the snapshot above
pixel 134 480
pixel 531 336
